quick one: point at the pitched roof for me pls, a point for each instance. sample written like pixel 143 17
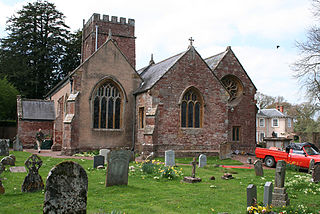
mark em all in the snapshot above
pixel 153 73
pixel 38 110
pixel 271 113
pixel 214 61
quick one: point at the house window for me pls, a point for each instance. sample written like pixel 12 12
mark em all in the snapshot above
pixel 107 105
pixel 191 110
pixel 236 133
pixel 261 136
pixel 289 122
pixel 261 122
pixel 275 122
pixel 141 117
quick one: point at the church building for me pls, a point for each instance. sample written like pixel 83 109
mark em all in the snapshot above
pixel 184 103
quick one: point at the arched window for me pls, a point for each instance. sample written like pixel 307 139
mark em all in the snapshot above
pixel 191 109
pixel 233 85
pixel 107 105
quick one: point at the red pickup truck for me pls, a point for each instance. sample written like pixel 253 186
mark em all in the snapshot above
pixel 299 154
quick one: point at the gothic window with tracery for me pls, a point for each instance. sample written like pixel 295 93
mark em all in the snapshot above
pixel 191 109
pixel 233 85
pixel 107 105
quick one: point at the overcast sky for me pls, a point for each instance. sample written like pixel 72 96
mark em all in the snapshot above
pixel 253 29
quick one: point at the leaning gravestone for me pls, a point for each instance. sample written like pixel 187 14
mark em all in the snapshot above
pixel 66 189
pixel 4 147
pixel 169 158
pixel 33 181
pixel 104 153
pixel 202 160
pixel 279 196
pixel 316 173
pixel 258 168
pixel 311 166
pixel 98 160
pixel 267 194
pixel 118 167
pixel 251 195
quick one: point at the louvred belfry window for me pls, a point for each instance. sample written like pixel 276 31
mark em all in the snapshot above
pixel 191 110
pixel 107 105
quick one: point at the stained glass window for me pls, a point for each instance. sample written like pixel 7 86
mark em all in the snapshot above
pixel 191 109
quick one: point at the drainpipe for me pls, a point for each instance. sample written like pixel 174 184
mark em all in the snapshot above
pixel 96 47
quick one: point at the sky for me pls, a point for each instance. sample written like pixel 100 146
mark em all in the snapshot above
pixel 252 28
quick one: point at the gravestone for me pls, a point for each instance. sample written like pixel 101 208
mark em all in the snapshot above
pixel 202 160
pixel 9 160
pixel 2 190
pixel 118 167
pixel 104 153
pixel 193 178
pixel 316 173
pixel 258 168
pixel 279 195
pixel 4 147
pixel 251 195
pixel 169 158
pixel 225 151
pixel 311 166
pixel 17 145
pixel 267 194
pixel 66 189
pixel 2 167
pixel 98 160
pixel 33 181
pixel 16 169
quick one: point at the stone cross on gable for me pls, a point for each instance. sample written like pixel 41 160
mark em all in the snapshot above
pixel 191 40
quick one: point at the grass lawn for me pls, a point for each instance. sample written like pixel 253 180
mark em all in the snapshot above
pixel 152 194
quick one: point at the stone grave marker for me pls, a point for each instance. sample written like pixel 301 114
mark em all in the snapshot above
pixel 202 160
pixel 279 195
pixel 258 168
pixel 104 153
pixel 251 195
pixel 311 166
pixel 316 173
pixel 225 151
pixel 2 190
pixel 4 147
pixel 17 145
pixel 118 167
pixel 193 178
pixel 16 169
pixel 169 158
pixel 2 167
pixel 98 160
pixel 66 189
pixel 33 181
pixel 9 160
pixel 267 194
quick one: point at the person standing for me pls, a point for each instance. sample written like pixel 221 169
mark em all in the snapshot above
pixel 39 139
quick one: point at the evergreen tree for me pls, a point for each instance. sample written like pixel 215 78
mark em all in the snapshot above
pixel 8 94
pixel 31 53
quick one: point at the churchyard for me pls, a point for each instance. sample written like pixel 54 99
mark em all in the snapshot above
pixel 153 193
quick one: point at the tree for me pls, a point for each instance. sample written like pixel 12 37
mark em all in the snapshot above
pixel 8 97
pixel 307 67
pixel 31 53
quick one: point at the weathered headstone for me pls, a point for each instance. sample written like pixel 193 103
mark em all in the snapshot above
pixel 66 189
pixel 4 147
pixel 258 168
pixel 225 151
pixel 118 167
pixel 169 158
pixel 17 145
pixel 316 173
pixel 202 160
pixel 2 167
pixel 9 160
pixel 98 160
pixel 311 166
pixel 251 195
pixel 279 196
pixel 33 181
pixel 193 178
pixel 2 190
pixel 267 194
pixel 104 153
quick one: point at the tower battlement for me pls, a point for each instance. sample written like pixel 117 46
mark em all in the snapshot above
pixel 96 17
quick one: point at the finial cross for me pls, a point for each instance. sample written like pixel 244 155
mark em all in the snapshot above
pixel 191 40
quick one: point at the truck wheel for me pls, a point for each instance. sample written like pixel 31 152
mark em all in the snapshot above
pixel 269 161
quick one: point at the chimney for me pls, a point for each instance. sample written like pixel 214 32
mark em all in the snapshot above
pixel 280 108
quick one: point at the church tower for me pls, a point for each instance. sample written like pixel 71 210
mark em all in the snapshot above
pixel 96 31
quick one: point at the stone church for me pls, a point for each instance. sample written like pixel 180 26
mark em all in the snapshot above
pixel 184 103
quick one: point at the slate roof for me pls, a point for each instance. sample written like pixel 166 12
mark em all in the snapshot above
pixel 213 61
pixel 38 110
pixel 153 73
pixel 271 113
